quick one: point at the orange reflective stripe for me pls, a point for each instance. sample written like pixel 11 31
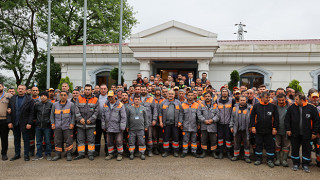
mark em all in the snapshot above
pixel 213 147
pixel 220 106
pixel 91 148
pixel 120 149
pixel 58 149
pixel 105 105
pixel 177 107
pixel 247 152
pixel 193 145
pixel 234 109
pixel 142 149
pixel 69 148
pixel 195 106
pixel 66 111
pixel 228 105
pixel 149 100
pixel 235 152
pixel 204 147
pixel 185 106
pixel 81 148
pixel 164 107
pixel 57 111
pixel 165 144
pixel 245 112
pixel 185 145
pixel 239 112
pixel 131 149
pixel 120 105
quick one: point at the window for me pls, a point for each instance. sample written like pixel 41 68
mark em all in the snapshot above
pixel 104 78
pixel 251 79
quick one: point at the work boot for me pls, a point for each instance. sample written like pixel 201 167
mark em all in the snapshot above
pixel 229 155
pixel 155 151
pixel 165 154
pixel 203 154
pixel 215 155
pixel 183 155
pixel 257 163
pixel 142 157
pixel 150 153
pixel 270 163
pixel 69 157
pixel 91 157
pixel 4 157
pixel 79 157
pixel 57 157
pixel 119 157
pixel 295 167
pixel 175 154
pixel 306 169
pixel 131 157
pixel 48 157
pixel 247 159
pixel 277 162
pixel 15 157
pixel 235 158
pixel 221 155
pixel 284 159
pixel 195 155
pixel 26 158
pixel 110 156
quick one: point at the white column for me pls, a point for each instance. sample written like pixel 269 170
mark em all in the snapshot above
pixel 203 67
pixel 145 68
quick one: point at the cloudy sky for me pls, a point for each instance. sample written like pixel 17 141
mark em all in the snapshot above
pixel 265 19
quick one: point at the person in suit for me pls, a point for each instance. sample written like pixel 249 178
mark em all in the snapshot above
pixel 189 79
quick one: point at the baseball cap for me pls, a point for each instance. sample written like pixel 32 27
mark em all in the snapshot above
pixel 315 94
pixel 176 88
pixel 110 93
pixel 237 92
pixel 51 89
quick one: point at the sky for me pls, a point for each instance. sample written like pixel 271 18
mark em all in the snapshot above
pixel 264 19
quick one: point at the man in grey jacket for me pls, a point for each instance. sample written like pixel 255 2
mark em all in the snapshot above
pixel 62 122
pixel 137 123
pixel 114 120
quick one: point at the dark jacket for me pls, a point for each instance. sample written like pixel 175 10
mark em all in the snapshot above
pixel 310 120
pixel 42 112
pixel 26 111
pixel 264 117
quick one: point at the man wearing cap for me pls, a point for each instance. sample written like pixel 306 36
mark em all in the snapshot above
pixel 42 112
pixel 87 110
pixel 51 95
pixel 149 103
pixel 237 95
pixel 314 100
pixel 114 121
pixel 103 98
pixel 62 122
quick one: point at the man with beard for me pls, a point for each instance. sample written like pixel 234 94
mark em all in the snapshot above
pixel 164 93
pixel 314 100
pixel 209 125
pixel 51 95
pixel 86 110
pixel 237 95
pixel 182 96
pixel 150 105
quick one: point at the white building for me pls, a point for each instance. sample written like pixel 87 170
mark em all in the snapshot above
pixel 174 47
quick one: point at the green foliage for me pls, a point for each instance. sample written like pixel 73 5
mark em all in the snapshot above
pixel 295 84
pixel 103 21
pixel 66 80
pixel 114 75
pixel 234 80
pixel 41 73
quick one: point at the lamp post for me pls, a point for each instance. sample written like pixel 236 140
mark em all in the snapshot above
pixel 49 44
pixel 120 45
pixel 84 61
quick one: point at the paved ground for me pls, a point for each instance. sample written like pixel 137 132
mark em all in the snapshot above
pixel 152 168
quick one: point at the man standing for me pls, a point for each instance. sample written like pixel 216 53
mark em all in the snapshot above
pixel 62 122
pixel 264 122
pixel 209 125
pixel 103 99
pixel 36 98
pixel 204 78
pixel 4 130
pixel 282 142
pixel 190 79
pixel 239 126
pixel 137 124
pixel 86 109
pixel 302 125
pixel 20 119
pixel 114 121
pixel 150 105
pixel 188 121
pixel 225 104
pixel 169 117
pixel 42 112
pixel 64 87
pixel 51 95
pixel 157 130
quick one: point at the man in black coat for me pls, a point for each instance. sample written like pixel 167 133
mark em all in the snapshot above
pixel 19 118
pixel 302 125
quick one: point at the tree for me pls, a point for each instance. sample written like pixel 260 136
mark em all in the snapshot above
pixel 295 84
pixel 66 80
pixel 234 80
pixel 114 75
pixel 41 73
pixel 19 37
pixel 103 21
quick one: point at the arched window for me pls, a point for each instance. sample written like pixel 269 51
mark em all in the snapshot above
pixel 251 79
pixel 104 78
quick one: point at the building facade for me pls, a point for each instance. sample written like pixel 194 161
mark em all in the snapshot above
pixel 174 47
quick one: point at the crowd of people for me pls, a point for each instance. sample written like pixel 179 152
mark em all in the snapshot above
pixel 181 116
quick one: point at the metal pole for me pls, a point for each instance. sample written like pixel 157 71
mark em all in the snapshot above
pixel 49 44
pixel 120 45
pixel 84 63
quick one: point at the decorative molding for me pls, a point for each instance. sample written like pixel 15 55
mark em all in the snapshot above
pixel 253 68
pixel 98 70
pixel 314 74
